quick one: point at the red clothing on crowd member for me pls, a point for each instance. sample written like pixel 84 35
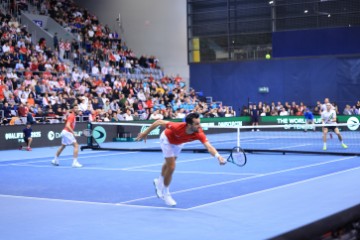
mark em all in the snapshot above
pixel 28 74
pixel 47 75
pixel 23 111
pixel 178 79
pixel 61 67
pixel 97 82
pixel 176 134
pixel 149 103
pixel 2 87
pixel 34 66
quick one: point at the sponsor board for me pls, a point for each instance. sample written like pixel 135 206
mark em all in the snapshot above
pixel 44 135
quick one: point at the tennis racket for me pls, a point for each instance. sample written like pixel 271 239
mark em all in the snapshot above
pixel 87 132
pixel 329 118
pixel 237 157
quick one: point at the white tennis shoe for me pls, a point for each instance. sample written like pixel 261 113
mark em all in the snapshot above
pixel 169 200
pixel 76 164
pixel 55 162
pixel 158 188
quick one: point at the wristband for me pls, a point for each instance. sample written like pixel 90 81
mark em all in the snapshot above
pixel 217 155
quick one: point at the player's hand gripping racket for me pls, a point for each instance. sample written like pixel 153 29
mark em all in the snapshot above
pixel 330 118
pixel 237 157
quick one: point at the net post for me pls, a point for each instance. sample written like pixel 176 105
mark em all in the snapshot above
pixel 238 137
pixel 89 139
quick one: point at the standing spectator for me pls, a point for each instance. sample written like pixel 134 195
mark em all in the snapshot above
pixel 255 114
pixel 67 46
pixel 56 42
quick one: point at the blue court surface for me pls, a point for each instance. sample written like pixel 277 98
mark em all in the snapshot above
pixel 112 196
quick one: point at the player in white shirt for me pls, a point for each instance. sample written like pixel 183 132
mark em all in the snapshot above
pixel 323 108
pixel 328 117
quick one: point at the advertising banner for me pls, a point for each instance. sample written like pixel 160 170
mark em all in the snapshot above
pixel 44 135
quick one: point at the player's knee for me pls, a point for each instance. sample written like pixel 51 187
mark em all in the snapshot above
pixel 170 164
pixel 171 167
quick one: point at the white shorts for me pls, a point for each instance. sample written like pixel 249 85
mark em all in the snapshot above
pixel 168 149
pixel 67 138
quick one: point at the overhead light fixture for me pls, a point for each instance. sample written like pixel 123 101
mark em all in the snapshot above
pixel 306 11
pixel 271 2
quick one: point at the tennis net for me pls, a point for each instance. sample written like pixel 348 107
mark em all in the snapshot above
pixel 290 138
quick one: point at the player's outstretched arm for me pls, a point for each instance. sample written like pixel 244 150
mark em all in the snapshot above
pixel 214 153
pixel 143 135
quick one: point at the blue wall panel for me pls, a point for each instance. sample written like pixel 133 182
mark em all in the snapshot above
pixel 300 80
pixel 331 41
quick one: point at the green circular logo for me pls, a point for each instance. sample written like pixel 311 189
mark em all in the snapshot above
pixel 353 123
pixel 99 134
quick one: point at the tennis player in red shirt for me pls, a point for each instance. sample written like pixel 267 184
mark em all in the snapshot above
pixel 68 138
pixel 172 140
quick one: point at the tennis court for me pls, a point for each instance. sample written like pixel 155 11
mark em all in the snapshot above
pixel 112 196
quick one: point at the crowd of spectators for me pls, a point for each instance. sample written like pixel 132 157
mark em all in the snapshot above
pixel 97 72
pixel 295 109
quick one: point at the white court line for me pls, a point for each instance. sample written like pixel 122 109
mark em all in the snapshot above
pixel 160 164
pixel 200 173
pixel 294 146
pixel 89 202
pixel 63 159
pixel 136 170
pixel 124 169
pixel 68 155
pixel 247 178
pixel 275 188
pixel 28 164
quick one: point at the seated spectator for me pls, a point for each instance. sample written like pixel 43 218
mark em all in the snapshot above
pixel 114 117
pixel 283 112
pixel 180 113
pixel 31 100
pixel 128 116
pixel 347 110
pixel 156 115
pixel 19 66
pixel 23 110
pixel 30 118
pixel 355 111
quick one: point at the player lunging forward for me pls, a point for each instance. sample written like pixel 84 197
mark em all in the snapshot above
pixel 172 140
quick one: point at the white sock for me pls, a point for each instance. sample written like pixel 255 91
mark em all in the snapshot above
pixel 166 190
pixel 55 158
pixel 161 180
pixel 75 160
pixel 324 144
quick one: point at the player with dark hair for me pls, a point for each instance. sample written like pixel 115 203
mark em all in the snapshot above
pixel 68 138
pixel 172 140
pixel 27 137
